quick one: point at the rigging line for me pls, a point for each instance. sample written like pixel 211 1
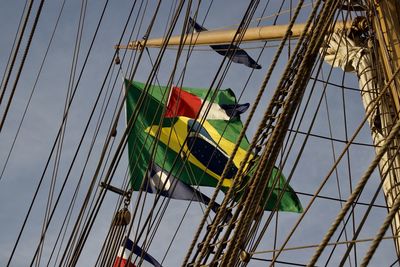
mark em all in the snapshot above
pixel 356 191
pixel 259 20
pixel 62 240
pixel 25 54
pixel 189 204
pixel 154 75
pixel 380 235
pixel 32 92
pixel 235 230
pixel 348 151
pixel 103 169
pixel 13 54
pixel 111 129
pixel 184 166
pixel 218 189
pixel 290 176
pixel 208 236
pixel 70 168
pixel 281 12
pixel 333 139
pixel 384 177
pixel 374 104
pixel 181 221
pixel 107 142
pixel 299 156
pixel 287 263
pixel 336 170
pixel 61 139
pixel 79 219
pixel 255 229
pixel 341 200
pixel 101 117
pixel 303 145
pixel 173 6
pixel 292 170
pixel 89 190
pixel 115 159
pixel 52 150
pixel 258 185
pixel 297 159
pixel 257 100
pixel 107 246
pixel 395 262
pixel 347 160
pixel 282 163
pixel 21 19
pixel 364 240
pixel 78 185
pixel 132 57
pixel 275 232
pixel 265 45
pixel 338 86
pixel 117 206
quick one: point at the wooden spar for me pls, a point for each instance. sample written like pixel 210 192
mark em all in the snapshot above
pixel 226 36
pixel 386 23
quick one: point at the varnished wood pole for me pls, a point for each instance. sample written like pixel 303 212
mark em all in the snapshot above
pixel 225 36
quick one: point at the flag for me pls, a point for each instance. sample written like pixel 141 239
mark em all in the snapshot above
pixel 131 255
pixel 184 103
pixel 237 54
pixel 161 182
pixel 189 150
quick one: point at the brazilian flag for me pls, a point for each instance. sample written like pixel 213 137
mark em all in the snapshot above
pixel 200 160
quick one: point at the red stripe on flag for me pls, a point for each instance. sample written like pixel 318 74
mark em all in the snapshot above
pixel 182 103
pixel 120 262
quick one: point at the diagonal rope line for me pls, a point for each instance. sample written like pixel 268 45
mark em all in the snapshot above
pixel 363 180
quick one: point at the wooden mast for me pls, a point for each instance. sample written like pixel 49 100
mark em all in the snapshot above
pixel 386 26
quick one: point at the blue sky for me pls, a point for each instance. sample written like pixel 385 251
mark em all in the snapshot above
pixel 40 127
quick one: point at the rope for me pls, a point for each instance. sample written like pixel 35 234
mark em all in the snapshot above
pixel 39 11
pixel 271 151
pixel 357 190
pixel 218 217
pixel 61 139
pixel 13 56
pixel 384 177
pixel 32 92
pixel 374 104
pixel 298 157
pixel 328 244
pixel 389 218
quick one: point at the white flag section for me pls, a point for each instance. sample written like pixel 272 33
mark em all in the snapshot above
pixel 131 255
pixel 184 103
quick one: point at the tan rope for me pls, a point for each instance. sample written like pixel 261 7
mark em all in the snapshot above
pixel 388 220
pixel 270 154
pixel 228 195
pixel 329 244
pixel 363 180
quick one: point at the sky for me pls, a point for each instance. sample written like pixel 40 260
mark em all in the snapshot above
pixel 39 128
